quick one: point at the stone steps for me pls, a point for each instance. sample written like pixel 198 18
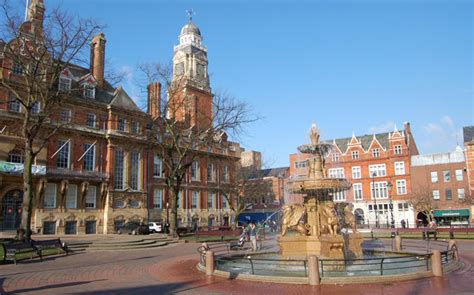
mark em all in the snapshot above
pixel 118 244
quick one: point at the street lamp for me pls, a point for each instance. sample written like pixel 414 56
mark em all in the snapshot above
pixel 375 200
pixel 167 217
pixel 392 221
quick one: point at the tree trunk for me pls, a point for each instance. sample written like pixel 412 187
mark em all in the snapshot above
pixel 27 206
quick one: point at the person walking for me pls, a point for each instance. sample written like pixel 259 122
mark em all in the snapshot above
pixel 253 236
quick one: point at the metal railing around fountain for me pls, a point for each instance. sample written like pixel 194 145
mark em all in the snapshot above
pixel 263 266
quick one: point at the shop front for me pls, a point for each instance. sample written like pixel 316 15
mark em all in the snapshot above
pixel 453 217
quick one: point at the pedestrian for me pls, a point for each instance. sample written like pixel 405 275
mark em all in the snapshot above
pixel 253 236
pixel 403 223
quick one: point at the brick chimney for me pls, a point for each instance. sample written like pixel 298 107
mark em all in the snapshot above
pixel 97 66
pixel 154 100
pixel 36 16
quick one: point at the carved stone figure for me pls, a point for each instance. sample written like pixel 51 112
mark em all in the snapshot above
pixel 329 222
pixel 292 215
pixel 349 217
pixel 314 134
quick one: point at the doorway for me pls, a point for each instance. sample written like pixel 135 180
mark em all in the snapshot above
pixel 11 208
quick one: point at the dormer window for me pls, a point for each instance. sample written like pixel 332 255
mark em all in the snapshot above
pixel 355 155
pixel 135 128
pixel 376 153
pixel 121 124
pixel 64 83
pixel 89 92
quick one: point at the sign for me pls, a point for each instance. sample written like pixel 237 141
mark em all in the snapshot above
pixel 451 213
pixel 18 168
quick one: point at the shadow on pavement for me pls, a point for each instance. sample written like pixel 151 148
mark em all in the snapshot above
pixel 47 287
pixel 170 288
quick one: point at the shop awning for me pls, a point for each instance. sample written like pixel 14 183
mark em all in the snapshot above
pixel 451 213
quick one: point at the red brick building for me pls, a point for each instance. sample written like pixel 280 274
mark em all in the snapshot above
pixel 442 178
pixel 371 163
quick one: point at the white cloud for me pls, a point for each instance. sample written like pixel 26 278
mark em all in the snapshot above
pixel 384 127
pixel 442 135
pixel 447 121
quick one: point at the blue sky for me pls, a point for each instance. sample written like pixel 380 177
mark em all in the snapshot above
pixel 350 66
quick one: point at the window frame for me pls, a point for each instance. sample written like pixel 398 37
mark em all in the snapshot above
pixel 356 172
pixel 401 185
pixel 69 195
pixel 53 187
pixel 88 197
pixel 158 194
pixel 87 157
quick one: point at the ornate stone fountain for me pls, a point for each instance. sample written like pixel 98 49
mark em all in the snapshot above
pixel 316 221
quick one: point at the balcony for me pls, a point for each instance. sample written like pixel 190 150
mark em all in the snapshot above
pixel 68 173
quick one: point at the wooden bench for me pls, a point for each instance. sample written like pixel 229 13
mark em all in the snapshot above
pixel 47 244
pixel 12 249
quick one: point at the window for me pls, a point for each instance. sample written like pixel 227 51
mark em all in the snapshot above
pixel 17 69
pixel 377 170
pixel 50 196
pixel 158 198
pixel 157 166
pixel 339 196
pixel 89 92
pixel 91 197
pixel 119 166
pixel 14 105
pixel 91 120
pixel 135 167
pixel 447 176
pixel 119 204
pixel 376 153
pixel 336 173
pixel 64 84
pixel 225 203
pixel 134 204
pixel 403 206
pixel 180 200
pixel 63 154
pixel 195 172
pixel 449 194
pixel 71 196
pixel 121 124
pixel 226 176
pixel 398 150
pixel 49 228
pixel 65 116
pixel 135 127
pixel 357 189
pixel 461 194
pixel 399 168
pixel 89 157
pixel 211 200
pixel 15 156
pixel 211 173
pixel 195 200
pixel 436 194
pixel 356 173
pixel 301 164
pixel 434 176
pixel 355 155
pixel 70 228
pixel 459 176
pixel 36 107
pixel 378 190
pixel 401 187
pixel 335 157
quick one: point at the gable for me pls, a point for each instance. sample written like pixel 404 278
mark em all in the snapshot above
pixel 122 100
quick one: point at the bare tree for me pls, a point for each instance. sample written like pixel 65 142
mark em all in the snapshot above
pixel 423 202
pixel 36 54
pixel 180 141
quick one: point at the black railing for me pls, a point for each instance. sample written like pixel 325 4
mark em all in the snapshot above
pixel 263 266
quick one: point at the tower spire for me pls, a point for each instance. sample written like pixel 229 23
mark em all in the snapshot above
pixel 190 12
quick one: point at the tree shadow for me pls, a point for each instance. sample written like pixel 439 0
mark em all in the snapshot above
pixel 47 287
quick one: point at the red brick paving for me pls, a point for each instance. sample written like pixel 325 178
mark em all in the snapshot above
pixel 173 270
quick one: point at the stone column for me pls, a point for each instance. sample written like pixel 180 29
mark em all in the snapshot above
pixel 436 265
pixel 313 270
pixel 209 263
pixel 397 244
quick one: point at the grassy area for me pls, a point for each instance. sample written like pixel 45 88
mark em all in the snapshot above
pixel 418 235
pixel 26 254
pixel 202 239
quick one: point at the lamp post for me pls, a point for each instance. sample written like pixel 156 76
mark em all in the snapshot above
pixel 392 220
pixel 167 216
pixel 374 194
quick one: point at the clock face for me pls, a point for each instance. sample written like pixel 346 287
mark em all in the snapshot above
pixel 200 70
pixel 179 69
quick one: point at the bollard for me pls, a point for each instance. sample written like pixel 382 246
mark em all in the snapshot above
pixel 436 265
pixel 398 243
pixel 209 263
pixel 313 270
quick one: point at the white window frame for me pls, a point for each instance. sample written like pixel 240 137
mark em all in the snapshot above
pixel 157 167
pixel 71 196
pixel 50 194
pixel 91 196
pixel 459 175
pixel 380 191
pixel 180 200
pixel 301 164
pixel 339 196
pixel 36 107
pixel 14 105
pixel 64 83
pixel 211 196
pixel 135 171
pixel 195 200
pixel 211 168
pixel 335 157
pixel 225 203
pixel 158 198
pixel 195 171
pixel 225 172
pixel 87 155
pixel 358 191
pixel 461 193
pixel 336 173
pixel 434 176
pixel 119 181
pixel 355 155
pixel 135 127
pixel 65 116
pixel 436 194
pixel 399 168
pixel 122 124
pixel 401 187
pixel 91 120
pixel 88 92
pixel 379 169
pixel 447 175
pixel 356 172
pixel 376 153
pixel 65 147
pixel 398 149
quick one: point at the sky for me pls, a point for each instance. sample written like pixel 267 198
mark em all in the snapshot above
pixel 350 66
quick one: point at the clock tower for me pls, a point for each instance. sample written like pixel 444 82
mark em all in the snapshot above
pixel 192 97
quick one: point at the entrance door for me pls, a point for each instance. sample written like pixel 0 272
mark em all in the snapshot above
pixel 11 210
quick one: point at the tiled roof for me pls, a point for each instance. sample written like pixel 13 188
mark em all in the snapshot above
pixel 468 133
pixel 274 172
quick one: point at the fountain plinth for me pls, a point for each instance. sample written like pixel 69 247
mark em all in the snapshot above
pixel 316 220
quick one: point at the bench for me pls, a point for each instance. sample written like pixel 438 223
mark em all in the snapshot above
pixel 12 249
pixel 53 243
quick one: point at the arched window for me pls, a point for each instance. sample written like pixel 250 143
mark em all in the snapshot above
pixel 15 156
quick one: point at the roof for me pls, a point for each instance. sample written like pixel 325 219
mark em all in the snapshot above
pixel 468 133
pixel 365 140
pixel 271 172
pixel 190 27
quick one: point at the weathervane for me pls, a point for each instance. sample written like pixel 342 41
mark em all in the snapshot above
pixel 190 13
